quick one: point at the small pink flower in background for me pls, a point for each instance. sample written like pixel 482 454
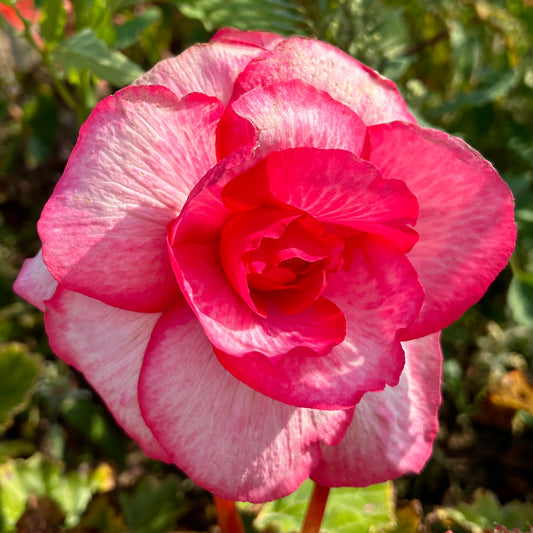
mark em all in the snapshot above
pixel 26 8
pixel 29 12
pixel 250 256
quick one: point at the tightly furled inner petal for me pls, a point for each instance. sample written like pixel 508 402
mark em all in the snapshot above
pixel 280 255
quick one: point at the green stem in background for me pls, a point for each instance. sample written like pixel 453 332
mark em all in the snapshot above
pixel 315 511
pixel 228 517
pixel 61 88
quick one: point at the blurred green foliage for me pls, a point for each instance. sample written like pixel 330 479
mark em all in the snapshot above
pixel 465 66
pixel 348 510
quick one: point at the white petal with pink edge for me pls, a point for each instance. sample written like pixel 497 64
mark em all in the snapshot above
pixel 392 431
pixel 34 283
pixel 138 156
pixel 374 98
pixel 465 225
pixel 107 345
pixel 230 439
pixel 210 69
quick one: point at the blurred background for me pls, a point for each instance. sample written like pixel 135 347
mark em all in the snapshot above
pixel 465 66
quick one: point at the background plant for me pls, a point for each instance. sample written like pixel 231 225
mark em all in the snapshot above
pixel 463 66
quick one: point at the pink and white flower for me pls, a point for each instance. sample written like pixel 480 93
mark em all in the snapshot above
pixel 250 256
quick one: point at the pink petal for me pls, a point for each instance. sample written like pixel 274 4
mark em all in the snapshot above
pixel 233 327
pixel 209 69
pixel 228 438
pixel 379 294
pixel 107 345
pixel 34 283
pixel 392 431
pixel 374 98
pixel 262 39
pixel 289 114
pixel 334 186
pixel 243 233
pixel 466 225
pixel 230 324
pixel 138 156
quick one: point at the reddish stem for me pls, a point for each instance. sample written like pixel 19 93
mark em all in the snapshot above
pixel 229 519
pixel 316 509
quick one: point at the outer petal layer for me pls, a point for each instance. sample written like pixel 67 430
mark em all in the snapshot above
pixel 392 431
pixel 288 115
pixel 374 98
pixel 465 225
pixel 262 39
pixel 230 439
pixel 107 345
pixel 103 230
pixel 34 283
pixel 210 69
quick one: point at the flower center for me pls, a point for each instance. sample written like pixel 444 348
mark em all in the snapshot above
pixel 279 255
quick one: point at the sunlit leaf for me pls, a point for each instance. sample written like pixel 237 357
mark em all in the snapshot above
pixel 86 50
pixel 282 16
pixel 348 510
pixel 100 19
pixel 128 33
pixel 486 512
pixel 53 20
pixel 409 517
pixel 21 478
pixel 512 391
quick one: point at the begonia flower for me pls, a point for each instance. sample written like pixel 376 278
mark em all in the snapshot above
pixel 250 256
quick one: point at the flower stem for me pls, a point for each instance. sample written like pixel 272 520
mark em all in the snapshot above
pixel 316 509
pixel 229 519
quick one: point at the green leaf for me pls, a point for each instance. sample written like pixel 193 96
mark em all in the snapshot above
pixel 94 423
pixel 520 300
pixel 522 188
pixel 101 515
pixel 128 33
pixel 41 118
pixel 348 510
pixel 21 478
pixel 100 19
pixel 148 495
pixel 496 86
pixel 281 16
pixel 485 512
pixel 15 448
pixel 53 20
pixel 86 50
pixel 22 370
